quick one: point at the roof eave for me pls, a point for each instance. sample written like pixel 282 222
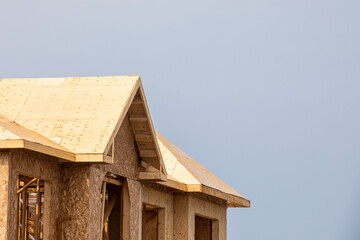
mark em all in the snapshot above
pixel 33 146
pixel 232 200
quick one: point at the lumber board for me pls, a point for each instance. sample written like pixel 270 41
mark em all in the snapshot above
pixel 113 181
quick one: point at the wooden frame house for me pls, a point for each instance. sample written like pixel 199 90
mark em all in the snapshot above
pixel 80 159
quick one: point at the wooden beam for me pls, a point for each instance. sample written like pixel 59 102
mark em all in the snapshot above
pixel 26 201
pixel 148 153
pixel 142 137
pixel 110 206
pixel 138 118
pixel 102 210
pixel 137 101
pixel 26 185
pixel 19 209
pixel 114 181
pixel 144 164
pixel 37 211
pixel 152 176
pixel 23 214
pixel 175 185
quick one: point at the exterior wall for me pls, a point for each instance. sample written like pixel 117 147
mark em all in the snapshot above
pixel 186 206
pixel 38 165
pixel 165 201
pixel 198 205
pixel 181 217
pixel 126 164
pixel 126 157
pixel 4 181
pixel 135 208
pixel 75 196
pixel 95 205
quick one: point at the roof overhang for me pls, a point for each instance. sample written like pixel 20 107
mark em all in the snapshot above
pixel 33 146
pixel 232 200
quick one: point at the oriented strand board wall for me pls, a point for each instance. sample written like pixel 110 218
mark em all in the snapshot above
pixel 126 164
pixel 4 181
pixel 186 206
pixel 75 201
pixel 126 158
pixel 135 194
pixel 41 166
pixel 199 205
pixel 181 217
pixel 163 200
pixel 95 204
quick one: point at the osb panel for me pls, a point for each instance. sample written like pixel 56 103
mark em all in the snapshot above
pixel 135 193
pixel 185 169
pixel 95 205
pixel 4 181
pixel 206 209
pixel 126 159
pixel 163 200
pixel 181 217
pixel 40 166
pixel 75 201
pixel 126 164
pixel 60 108
pixel 186 206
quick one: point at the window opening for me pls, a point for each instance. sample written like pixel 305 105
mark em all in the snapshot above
pixel 30 192
pixel 153 222
pixel 112 211
pixel 206 228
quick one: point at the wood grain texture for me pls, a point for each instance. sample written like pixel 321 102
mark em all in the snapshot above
pixel 4 184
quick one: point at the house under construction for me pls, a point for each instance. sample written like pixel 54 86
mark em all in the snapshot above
pixel 80 159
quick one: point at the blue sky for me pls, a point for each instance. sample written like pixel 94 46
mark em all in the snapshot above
pixel 265 94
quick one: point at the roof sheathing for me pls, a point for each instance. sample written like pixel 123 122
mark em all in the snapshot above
pixel 182 168
pixel 77 119
pixel 77 113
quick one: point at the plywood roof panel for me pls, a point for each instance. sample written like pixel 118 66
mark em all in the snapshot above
pixel 80 113
pixel 186 170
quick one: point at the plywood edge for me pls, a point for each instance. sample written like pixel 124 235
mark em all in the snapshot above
pixel 152 176
pixel 37 147
pixel 194 188
pixel 14 143
pixel 90 157
pixel 233 200
pixel 174 184
pixel 49 150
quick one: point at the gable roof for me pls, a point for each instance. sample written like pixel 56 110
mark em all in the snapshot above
pixel 77 119
pixel 79 115
pixel 193 177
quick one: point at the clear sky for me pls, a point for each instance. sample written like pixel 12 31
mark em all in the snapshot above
pixel 265 94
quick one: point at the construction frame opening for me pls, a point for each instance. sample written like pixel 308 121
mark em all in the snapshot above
pixel 111 222
pixel 153 222
pixel 30 195
pixel 206 228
